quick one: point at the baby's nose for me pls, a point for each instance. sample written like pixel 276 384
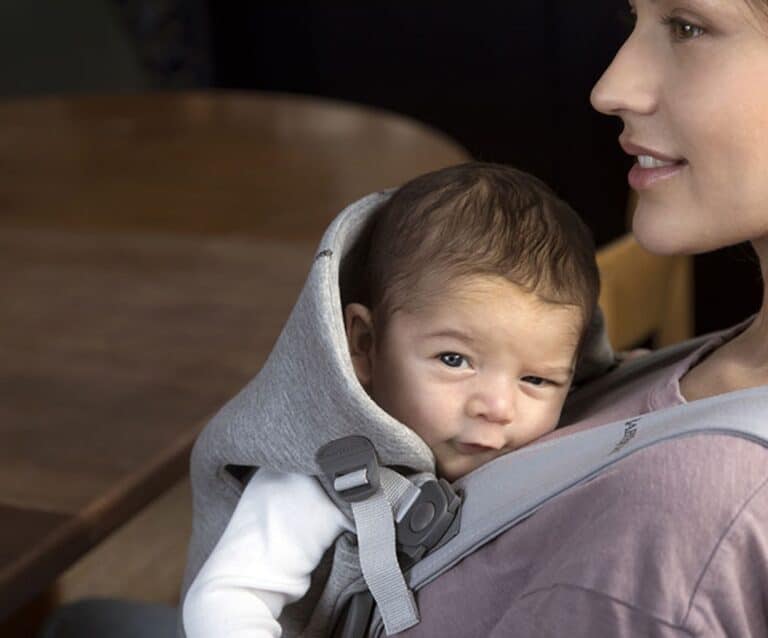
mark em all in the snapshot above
pixel 496 405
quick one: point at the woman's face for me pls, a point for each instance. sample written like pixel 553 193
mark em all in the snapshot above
pixel 691 86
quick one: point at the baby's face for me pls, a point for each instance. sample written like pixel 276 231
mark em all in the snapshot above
pixel 477 371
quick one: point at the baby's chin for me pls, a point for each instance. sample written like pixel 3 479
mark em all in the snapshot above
pixel 454 466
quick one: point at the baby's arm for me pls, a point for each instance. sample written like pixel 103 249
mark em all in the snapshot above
pixel 276 537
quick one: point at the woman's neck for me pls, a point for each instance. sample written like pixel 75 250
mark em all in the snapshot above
pixel 753 342
pixel 741 362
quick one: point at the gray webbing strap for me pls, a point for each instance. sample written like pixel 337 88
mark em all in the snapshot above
pixel 375 527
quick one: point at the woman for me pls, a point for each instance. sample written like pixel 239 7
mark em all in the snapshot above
pixel 672 541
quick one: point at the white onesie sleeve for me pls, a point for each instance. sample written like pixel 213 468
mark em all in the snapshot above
pixel 279 531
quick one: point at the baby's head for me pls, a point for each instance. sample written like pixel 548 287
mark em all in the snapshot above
pixel 478 287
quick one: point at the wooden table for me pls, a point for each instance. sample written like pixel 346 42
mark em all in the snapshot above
pixel 150 249
pixel 274 165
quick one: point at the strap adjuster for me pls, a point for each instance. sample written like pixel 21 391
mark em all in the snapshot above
pixel 428 521
pixel 351 466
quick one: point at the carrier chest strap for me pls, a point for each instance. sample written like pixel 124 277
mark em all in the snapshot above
pixel 376 540
pixel 375 495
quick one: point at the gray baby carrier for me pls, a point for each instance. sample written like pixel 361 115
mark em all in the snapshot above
pixel 306 412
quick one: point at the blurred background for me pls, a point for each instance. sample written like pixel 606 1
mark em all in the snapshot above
pixel 509 81
pixel 503 82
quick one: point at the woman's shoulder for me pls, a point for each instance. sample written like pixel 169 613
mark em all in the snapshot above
pixel 673 530
pixel 707 474
pixel 732 590
pixel 701 503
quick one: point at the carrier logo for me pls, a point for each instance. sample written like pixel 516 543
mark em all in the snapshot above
pixel 630 430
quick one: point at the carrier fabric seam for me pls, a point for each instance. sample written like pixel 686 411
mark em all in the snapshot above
pixel 613 599
pixel 720 542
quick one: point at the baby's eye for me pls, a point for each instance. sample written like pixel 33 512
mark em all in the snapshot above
pixel 537 381
pixel 453 359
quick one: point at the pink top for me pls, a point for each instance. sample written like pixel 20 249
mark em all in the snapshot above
pixel 658 389
pixel 670 541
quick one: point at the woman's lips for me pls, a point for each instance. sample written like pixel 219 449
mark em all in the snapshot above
pixel 641 178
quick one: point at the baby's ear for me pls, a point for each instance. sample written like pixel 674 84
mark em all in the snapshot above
pixel 358 322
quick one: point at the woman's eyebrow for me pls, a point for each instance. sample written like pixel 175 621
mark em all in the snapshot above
pixel 701 5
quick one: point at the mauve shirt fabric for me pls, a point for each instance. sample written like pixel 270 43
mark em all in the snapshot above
pixel 671 541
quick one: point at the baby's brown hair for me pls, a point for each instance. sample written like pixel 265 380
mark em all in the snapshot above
pixel 474 219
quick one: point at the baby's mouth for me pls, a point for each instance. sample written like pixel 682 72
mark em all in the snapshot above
pixel 473 448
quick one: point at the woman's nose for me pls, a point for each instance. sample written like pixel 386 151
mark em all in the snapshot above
pixel 629 84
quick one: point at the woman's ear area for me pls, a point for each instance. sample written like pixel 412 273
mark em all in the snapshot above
pixel 358 322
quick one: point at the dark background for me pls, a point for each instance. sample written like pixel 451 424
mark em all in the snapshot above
pixel 508 80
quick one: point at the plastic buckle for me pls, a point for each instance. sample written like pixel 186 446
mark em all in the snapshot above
pixel 351 466
pixel 431 519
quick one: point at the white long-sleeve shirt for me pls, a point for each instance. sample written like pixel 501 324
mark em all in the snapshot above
pixel 279 531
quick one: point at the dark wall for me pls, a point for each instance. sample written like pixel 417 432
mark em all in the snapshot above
pixel 509 80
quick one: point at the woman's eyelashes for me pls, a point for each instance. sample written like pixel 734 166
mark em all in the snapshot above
pixel 682 30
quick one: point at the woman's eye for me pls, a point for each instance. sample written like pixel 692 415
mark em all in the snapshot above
pixel 452 359
pixel 537 381
pixel 682 30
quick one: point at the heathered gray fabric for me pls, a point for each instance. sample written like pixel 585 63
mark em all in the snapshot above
pixel 305 396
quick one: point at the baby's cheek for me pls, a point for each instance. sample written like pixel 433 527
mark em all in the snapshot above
pixel 414 397
pixel 424 421
pixel 551 417
pixel 428 414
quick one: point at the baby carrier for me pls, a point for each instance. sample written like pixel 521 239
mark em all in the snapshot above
pixel 306 412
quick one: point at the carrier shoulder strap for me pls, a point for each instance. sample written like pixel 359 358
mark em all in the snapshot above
pixel 534 475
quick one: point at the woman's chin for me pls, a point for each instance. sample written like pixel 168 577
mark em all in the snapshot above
pixel 666 227
pixel 663 232
pixel 669 241
pixel 660 243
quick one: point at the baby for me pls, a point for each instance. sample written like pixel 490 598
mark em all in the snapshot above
pixel 465 326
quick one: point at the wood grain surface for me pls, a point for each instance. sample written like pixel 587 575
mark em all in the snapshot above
pixel 151 247
pixel 115 349
pixel 277 165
